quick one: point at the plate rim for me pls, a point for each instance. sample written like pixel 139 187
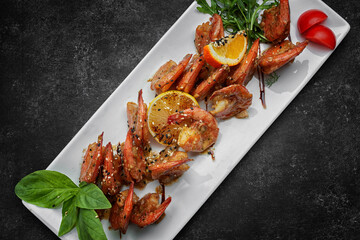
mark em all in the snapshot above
pixel 347 27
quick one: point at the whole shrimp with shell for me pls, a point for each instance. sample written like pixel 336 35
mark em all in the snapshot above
pixel 121 210
pixel 230 101
pixel 168 73
pixel 280 54
pixel 276 22
pixel 148 210
pixel 170 164
pixel 136 142
pixel 208 32
pixel 276 25
pixel 201 134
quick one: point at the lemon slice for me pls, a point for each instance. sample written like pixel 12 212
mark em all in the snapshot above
pixel 229 50
pixel 161 108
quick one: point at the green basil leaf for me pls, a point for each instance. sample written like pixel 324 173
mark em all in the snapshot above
pixel 91 197
pixel 89 226
pixel 69 216
pixel 83 184
pixel 45 188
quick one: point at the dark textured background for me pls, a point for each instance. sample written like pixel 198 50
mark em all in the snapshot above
pixel 60 60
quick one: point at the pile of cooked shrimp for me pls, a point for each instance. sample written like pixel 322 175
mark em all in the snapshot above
pixel 133 163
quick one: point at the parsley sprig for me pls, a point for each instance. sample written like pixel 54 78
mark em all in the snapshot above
pixel 238 15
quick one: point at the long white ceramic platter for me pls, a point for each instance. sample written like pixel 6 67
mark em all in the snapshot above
pixel 236 136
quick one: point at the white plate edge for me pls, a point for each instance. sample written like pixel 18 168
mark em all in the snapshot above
pixel 230 168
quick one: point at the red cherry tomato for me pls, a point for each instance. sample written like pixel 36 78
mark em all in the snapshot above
pixel 310 18
pixel 321 35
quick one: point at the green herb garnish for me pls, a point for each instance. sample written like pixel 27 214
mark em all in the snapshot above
pixel 238 15
pixel 272 78
pixel 49 189
pixel 89 225
pixel 69 216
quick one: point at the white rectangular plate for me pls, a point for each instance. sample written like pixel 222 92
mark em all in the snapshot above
pixel 204 175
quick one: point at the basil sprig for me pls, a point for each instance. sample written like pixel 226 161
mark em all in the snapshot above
pixel 45 188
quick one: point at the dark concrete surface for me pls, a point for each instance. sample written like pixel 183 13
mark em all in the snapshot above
pixel 60 60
